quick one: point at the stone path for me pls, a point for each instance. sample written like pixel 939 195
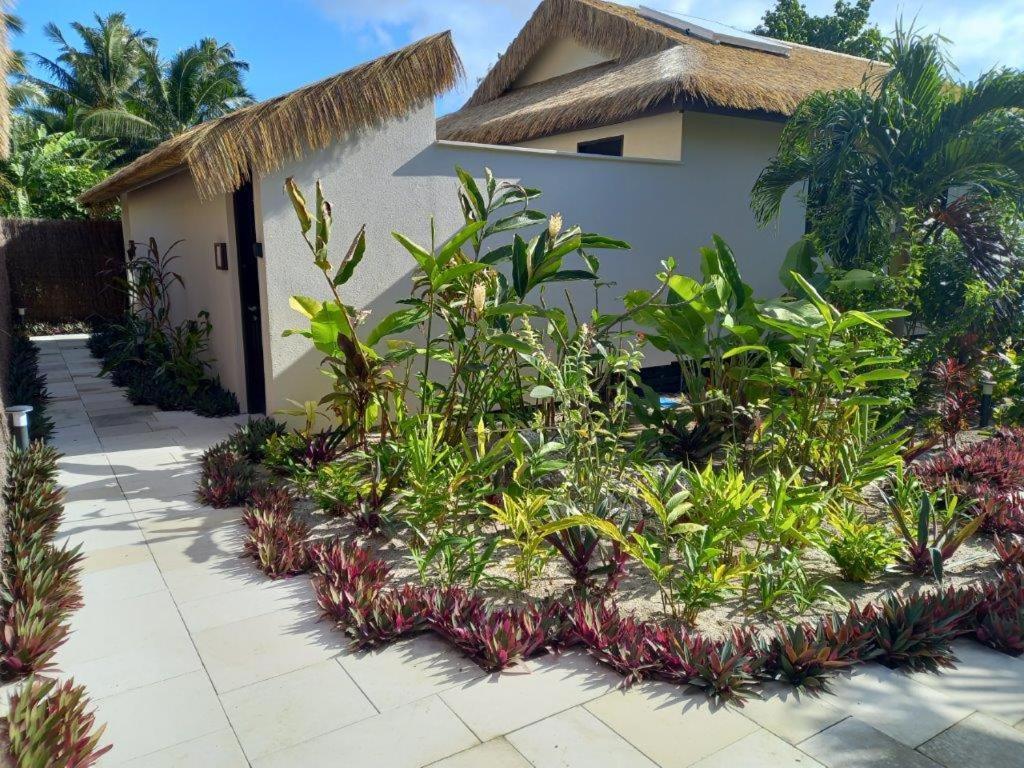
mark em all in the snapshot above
pixel 194 658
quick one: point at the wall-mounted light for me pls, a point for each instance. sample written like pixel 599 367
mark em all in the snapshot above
pixel 220 255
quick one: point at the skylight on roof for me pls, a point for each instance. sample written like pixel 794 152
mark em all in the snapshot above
pixel 714 32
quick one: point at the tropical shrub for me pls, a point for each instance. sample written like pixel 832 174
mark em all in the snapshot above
pixel 161 363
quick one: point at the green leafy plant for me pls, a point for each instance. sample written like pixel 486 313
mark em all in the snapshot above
pixel 861 550
pixel 362 382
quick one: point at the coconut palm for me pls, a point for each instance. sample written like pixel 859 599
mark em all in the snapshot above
pixel 907 157
pixel 201 82
pixel 101 72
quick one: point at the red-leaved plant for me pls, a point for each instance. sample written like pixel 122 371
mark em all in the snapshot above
pixel 278 543
pixel 49 724
pixel 619 642
pixel 956 401
pixel 1010 549
pixel 345 576
pixel 991 472
pixel 917 631
pixel 494 637
pixel 1000 613
pixel 226 478
pixel 807 655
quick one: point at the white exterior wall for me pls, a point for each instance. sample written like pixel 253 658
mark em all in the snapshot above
pixel 395 178
pixel 659 137
pixel 170 210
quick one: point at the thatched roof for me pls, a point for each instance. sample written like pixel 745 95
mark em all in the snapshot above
pixel 222 154
pixel 652 64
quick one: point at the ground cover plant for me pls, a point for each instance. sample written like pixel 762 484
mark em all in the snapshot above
pixel 40 581
pixel 160 362
pixel 27 386
pixel 47 722
pixel 779 521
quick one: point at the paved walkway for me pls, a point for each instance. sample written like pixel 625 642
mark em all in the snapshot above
pixel 194 658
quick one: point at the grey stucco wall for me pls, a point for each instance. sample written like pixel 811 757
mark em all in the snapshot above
pixel 396 178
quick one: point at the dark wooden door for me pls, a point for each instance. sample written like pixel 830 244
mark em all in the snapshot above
pixel 249 291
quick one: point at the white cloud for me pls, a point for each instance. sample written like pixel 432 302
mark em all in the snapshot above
pixel 983 32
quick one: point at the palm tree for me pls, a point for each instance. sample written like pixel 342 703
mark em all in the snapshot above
pixel 905 158
pixel 102 72
pixel 199 83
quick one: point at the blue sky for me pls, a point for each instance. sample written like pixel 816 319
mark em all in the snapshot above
pixel 292 42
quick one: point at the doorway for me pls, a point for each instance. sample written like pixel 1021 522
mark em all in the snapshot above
pixel 249 295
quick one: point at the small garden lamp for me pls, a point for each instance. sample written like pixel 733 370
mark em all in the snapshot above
pixel 19 424
pixel 988 382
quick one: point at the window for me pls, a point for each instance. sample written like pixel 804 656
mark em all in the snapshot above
pixel 612 146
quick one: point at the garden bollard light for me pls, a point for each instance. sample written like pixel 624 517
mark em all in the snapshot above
pixel 985 412
pixel 19 424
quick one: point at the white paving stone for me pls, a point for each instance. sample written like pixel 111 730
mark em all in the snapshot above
pixel 672 726
pixel 248 651
pixel 414 735
pixel 895 704
pixel 497 753
pixel 500 703
pixel 150 719
pixel 790 713
pixel 217 750
pixel 409 670
pixel 984 680
pixel 855 744
pixel 761 749
pixel 575 739
pixel 295 707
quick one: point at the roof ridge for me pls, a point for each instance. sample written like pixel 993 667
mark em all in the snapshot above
pixel 222 154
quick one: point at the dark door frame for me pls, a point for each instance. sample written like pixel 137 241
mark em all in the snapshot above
pixel 249 296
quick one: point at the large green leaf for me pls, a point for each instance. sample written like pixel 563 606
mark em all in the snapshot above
pixel 449 276
pixel 516 221
pixel 588 240
pixel 397 322
pixel 305 305
pixel 475 199
pixel 879 374
pixel 422 255
pixel 802 258
pixel 352 258
pixel 453 243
